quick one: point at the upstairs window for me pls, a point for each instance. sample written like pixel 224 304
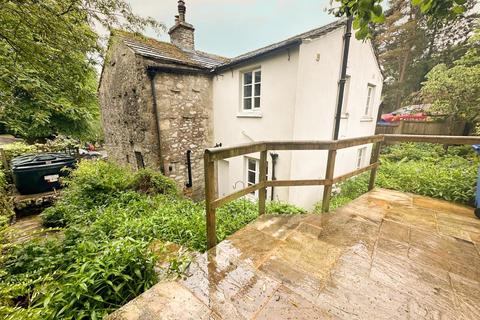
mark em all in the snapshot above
pixel 251 90
pixel 370 98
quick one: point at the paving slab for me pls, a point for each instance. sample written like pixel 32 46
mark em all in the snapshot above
pixel 385 255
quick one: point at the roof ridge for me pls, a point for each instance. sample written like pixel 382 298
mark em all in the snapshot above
pixel 316 32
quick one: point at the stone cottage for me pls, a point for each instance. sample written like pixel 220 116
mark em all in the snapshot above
pixel 164 103
pixel 156 102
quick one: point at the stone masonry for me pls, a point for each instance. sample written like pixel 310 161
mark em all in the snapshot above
pixel 185 107
pixel 156 101
pixel 127 108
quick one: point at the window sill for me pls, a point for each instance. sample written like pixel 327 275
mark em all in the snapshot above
pixel 344 116
pixel 366 119
pixel 249 115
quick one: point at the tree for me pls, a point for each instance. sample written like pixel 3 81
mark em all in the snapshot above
pixel 409 44
pixel 368 13
pixel 48 50
pixel 456 90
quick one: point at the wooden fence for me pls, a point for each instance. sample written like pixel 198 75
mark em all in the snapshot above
pixel 448 127
pixel 215 154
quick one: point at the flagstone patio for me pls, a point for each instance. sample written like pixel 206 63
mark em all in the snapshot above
pixel 386 255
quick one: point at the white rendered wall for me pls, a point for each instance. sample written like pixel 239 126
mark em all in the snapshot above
pixel 274 122
pixel 299 97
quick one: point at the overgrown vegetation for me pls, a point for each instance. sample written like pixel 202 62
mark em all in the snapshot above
pixel 48 53
pixel 423 169
pixel 6 207
pixel 110 217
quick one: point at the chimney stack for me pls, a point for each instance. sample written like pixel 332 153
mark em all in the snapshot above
pixel 182 34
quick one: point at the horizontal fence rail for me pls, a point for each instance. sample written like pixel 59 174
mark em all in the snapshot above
pixel 214 154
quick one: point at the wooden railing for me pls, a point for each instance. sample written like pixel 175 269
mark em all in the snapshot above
pixel 215 154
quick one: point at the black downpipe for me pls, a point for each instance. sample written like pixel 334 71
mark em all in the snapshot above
pixel 343 77
pixel 151 75
pixel 274 162
pixel 189 169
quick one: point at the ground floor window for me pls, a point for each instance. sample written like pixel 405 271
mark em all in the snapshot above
pixel 252 173
pixel 361 156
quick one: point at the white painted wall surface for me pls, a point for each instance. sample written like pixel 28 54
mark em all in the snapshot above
pixel 318 75
pixel 299 96
pixel 274 122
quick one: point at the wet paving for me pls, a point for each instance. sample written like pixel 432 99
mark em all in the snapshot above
pixel 386 255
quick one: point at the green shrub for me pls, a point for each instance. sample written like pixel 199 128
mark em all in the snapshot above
pixel 279 207
pixel 110 215
pixel 151 182
pixel 423 169
pixel 6 205
pixel 103 277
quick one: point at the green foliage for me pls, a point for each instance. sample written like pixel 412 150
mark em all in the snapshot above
pixel 456 90
pixel 112 218
pixel 368 13
pixel 409 45
pixel 422 169
pixel 278 207
pixel 6 206
pixel 149 182
pixel 47 56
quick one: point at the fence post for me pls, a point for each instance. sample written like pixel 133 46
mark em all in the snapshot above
pixel 209 168
pixel 327 189
pixel 262 192
pixel 374 158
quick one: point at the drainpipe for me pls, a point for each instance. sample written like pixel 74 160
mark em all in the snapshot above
pixel 343 76
pixel 151 75
pixel 189 184
pixel 274 162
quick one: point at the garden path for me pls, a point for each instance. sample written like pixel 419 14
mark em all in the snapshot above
pixel 385 255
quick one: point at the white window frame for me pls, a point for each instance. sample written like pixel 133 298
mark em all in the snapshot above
pixel 253 195
pixel 253 96
pixel 361 156
pixel 248 183
pixel 369 102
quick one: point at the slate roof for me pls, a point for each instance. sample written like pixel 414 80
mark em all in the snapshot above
pixel 312 34
pixel 164 51
pixel 159 50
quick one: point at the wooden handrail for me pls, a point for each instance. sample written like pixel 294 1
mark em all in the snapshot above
pixel 215 154
pixel 454 140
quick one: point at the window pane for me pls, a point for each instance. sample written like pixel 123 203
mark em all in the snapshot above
pixel 247 104
pixel 258 76
pixel 247 91
pixel 257 90
pixel 251 177
pixel 257 102
pixel 252 165
pixel 247 78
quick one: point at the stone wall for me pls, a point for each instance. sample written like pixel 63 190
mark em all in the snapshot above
pixel 184 102
pixel 127 109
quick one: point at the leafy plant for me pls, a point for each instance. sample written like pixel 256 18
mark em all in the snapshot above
pixel 115 222
pixel 423 169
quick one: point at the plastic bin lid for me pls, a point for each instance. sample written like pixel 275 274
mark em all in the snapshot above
pixel 476 147
pixel 39 159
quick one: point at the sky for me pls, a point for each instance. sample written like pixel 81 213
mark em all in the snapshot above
pixel 233 27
